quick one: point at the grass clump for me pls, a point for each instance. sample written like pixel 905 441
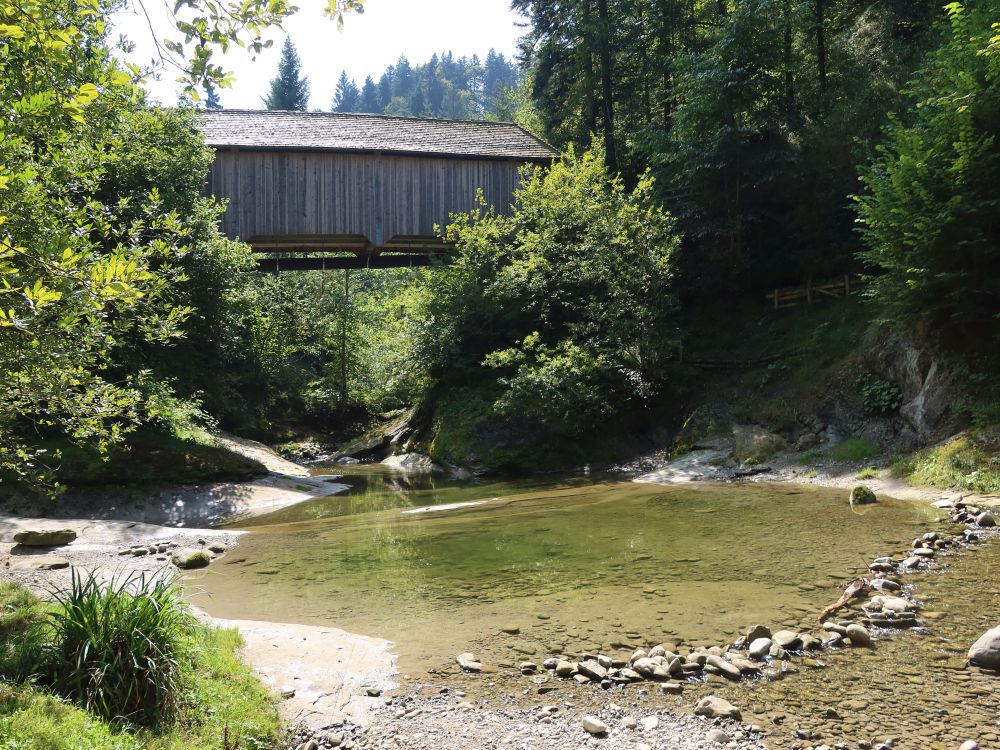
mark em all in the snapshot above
pixel 968 462
pixel 116 648
pixel 124 666
pixel 854 449
pixel 869 472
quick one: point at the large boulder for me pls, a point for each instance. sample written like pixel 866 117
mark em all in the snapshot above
pixel 191 559
pixel 45 537
pixel 862 495
pixel 986 651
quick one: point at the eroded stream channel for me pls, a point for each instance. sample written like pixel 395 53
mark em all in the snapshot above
pixel 597 564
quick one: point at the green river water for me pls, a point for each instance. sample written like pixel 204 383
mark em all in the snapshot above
pixel 437 566
pixel 600 564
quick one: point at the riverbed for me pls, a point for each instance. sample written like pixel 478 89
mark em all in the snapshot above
pixel 572 564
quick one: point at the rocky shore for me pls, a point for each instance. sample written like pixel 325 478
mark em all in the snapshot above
pixel 338 691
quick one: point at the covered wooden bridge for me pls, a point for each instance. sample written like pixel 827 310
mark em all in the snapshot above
pixel 311 190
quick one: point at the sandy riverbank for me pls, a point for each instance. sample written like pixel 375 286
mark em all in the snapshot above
pixel 337 685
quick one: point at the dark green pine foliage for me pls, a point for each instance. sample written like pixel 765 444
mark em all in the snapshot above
pixel 930 214
pixel 752 115
pixel 347 97
pixel 290 89
pixel 445 86
pixel 369 100
pixel 212 97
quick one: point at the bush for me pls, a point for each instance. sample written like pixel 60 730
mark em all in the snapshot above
pixel 567 304
pixel 115 648
pixel 878 395
pixel 928 217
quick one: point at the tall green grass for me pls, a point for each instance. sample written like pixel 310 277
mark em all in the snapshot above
pixel 218 703
pixel 115 647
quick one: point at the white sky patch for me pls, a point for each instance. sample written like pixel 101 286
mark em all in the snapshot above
pixel 368 44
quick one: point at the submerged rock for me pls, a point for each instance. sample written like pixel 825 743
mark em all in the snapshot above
pixel 717 708
pixel 45 537
pixel 986 651
pixel 468 662
pixel 862 495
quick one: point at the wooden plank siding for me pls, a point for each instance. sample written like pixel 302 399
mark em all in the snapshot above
pixel 386 199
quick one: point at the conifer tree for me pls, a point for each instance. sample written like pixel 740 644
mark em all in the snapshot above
pixel 347 96
pixel 289 90
pixel 369 97
pixel 212 97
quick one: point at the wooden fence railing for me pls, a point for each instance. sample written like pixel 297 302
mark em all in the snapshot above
pixel 790 296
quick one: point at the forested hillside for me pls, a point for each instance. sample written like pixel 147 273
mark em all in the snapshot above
pixel 445 86
pixel 713 151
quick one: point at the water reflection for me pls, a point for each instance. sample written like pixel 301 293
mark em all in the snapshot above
pixel 696 561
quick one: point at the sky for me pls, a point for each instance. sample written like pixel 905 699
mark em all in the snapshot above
pixel 368 44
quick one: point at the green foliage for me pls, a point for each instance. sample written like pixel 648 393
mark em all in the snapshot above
pixel 566 303
pixel 928 216
pixel 220 704
pixel 289 89
pixel 879 395
pixel 116 648
pixel 455 88
pixel 869 472
pixel 853 449
pixel 969 462
pixel 82 269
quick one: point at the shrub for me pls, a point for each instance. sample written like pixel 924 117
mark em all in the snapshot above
pixel 879 395
pixel 115 647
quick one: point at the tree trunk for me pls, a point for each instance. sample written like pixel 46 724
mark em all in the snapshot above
pixel 665 54
pixel 590 101
pixel 821 51
pixel 789 82
pixel 607 93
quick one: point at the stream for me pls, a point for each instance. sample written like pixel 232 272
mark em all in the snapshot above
pixel 520 570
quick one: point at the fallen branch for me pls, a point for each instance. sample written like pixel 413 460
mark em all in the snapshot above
pixel 855 588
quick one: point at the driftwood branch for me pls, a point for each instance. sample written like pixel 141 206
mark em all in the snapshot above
pixel 855 588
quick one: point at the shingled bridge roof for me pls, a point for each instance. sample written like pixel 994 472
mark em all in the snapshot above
pixel 267 130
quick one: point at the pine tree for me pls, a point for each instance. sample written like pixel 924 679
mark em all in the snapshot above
pixel 347 98
pixel 288 89
pixel 212 97
pixel 369 97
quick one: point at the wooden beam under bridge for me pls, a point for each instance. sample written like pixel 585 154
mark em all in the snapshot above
pixel 414 260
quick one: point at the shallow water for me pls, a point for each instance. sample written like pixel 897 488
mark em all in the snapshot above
pixel 576 563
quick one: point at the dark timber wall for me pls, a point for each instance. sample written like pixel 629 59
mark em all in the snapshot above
pixel 358 201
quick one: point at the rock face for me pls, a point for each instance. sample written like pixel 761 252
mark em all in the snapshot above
pixel 45 537
pixel 926 387
pixel 986 651
pixel 752 444
pixel 862 495
pixel 190 559
pixel 717 708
